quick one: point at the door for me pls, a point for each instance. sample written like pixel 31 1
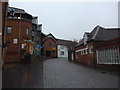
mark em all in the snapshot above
pixel 48 53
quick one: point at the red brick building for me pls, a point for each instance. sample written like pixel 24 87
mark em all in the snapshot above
pixel 19 28
pixel 60 48
pixel 36 35
pixel 86 48
pixel 50 46
pixel 108 53
pixel 43 37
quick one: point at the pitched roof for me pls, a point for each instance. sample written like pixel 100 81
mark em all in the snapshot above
pixel 101 34
pixel 49 38
pixel 80 42
pixel 106 34
pixel 65 42
pixel 17 10
pixel 43 34
pixel 50 35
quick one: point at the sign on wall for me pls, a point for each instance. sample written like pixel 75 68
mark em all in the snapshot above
pixel 23 45
pixel 53 48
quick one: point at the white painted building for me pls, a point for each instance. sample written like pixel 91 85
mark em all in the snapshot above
pixel 62 51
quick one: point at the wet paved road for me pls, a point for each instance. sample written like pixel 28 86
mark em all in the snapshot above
pixel 56 73
pixel 59 73
pixel 23 76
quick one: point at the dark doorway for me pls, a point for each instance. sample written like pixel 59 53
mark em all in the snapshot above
pixel 48 53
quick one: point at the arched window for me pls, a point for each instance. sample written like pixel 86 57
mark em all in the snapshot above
pixel 27 31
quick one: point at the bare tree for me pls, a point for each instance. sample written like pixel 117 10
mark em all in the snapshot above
pixel 75 40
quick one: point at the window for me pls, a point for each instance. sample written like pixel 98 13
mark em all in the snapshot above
pixel 76 55
pixel 61 47
pixel 84 52
pixel 33 33
pixel 38 38
pixel 9 30
pixel 81 52
pixel 49 44
pixel 108 56
pixel 15 41
pixel 91 50
pixel 62 53
pixel 39 28
pixel 27 31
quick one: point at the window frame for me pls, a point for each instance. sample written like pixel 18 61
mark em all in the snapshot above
pixel 49 44
pixel 27 31
pixel 38 39
pixel 33 33
pixel 62 53
pixel 9 29
pixel 61 47
pixel 91 50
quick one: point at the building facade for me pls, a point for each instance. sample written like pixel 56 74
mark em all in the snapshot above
pixel 108 53
pixel 86 49
pixel 53 47
pixel 85 54
pixel 19 29
pixel 43 37
pixel 66 49
pixel 62 51
pixel 36 35
pixel 50 48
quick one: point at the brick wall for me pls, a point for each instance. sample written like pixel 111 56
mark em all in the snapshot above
pixel 108 44
pixel 48 48
pixel 11 52
pixel 87 59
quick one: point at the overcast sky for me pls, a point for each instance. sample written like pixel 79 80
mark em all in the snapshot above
pixel 69 20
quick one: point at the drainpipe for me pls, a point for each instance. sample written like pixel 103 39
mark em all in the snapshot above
pixel 3 28
pixel 19 39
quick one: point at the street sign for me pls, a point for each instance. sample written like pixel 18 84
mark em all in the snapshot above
pixel 38 46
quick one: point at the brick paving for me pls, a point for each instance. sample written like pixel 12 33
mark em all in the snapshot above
pixel 56 73
pixel 60 73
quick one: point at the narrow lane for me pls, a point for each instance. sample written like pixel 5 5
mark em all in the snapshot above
pixel 56 73
pixel 59 73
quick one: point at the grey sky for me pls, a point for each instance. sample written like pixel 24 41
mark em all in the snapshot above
pixel 68 20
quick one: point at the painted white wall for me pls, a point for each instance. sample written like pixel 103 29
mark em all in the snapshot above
pixel 65 49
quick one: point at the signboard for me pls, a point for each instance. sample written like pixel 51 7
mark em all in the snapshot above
pixel 54 48
pixel 23 45
pixel 38 46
